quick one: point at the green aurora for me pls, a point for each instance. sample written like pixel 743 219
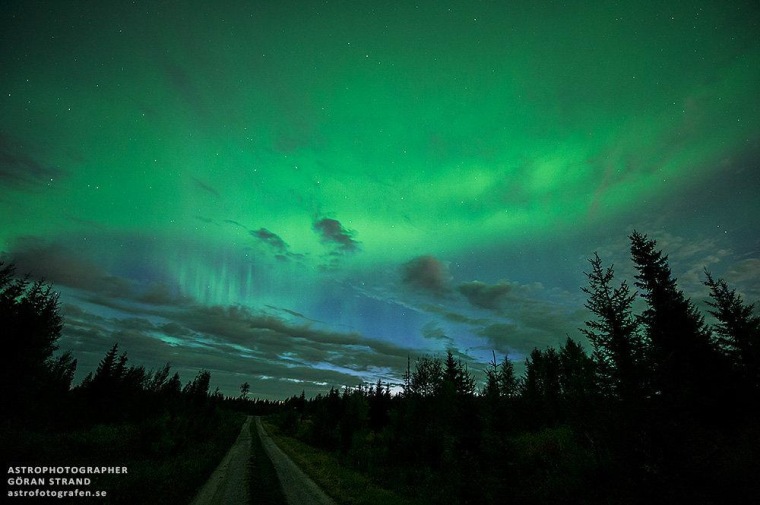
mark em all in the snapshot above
pixel 280 165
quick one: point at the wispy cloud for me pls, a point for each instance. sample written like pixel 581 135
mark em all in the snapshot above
pixel 205 187
pixel 235 223
pixel 18 168
pixel 432 331
pixel 237 344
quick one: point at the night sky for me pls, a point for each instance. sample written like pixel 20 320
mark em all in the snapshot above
pixel 302 194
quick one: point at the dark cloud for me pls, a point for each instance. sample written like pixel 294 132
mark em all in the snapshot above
pixel 205 187
pixel 239 225
pixel 271 239
pixel 270 337
pixel 426 273
pixel 174 329
pixel 20 169
pixel 485 296
pixel 434 332
pixel 158 293
pixel 292 313
pixel 450 315
pixel 529 322
pixel 332 232
pixel 509 337
pixel 288 311
pixel 63 265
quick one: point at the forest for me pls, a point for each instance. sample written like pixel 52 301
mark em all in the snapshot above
pixel 655 402
pixel 662 408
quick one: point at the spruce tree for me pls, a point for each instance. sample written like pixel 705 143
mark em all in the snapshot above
pixel 500 379
pixel 427 378
pixel 508 383
pixel 687 371
pixel 106 374
pixel 618 348
pixel 245 390
pixel 491 387
pixel 540 388
pixel 198 388
pixel 737 330
pixel 576 378
pixel 456 378
pixel 30 324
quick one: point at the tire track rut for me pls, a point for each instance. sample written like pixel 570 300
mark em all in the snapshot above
pixel 297 487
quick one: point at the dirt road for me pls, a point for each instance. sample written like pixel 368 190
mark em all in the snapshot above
pixel 297 487
pixel 228 485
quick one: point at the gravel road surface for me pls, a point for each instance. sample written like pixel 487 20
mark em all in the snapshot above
pixel 297 487
pixel 228 485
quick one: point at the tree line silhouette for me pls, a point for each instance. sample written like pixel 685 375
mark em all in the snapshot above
pixel 663 409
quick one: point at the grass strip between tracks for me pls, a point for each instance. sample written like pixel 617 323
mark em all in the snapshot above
pixel 264 485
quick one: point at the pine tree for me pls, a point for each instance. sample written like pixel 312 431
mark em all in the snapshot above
pixel 407 386
pixel 31 325
pixel 508 383
pixel 576 377
pixel 491 389
pixel 107 373
pixel 157 380
pixel 198 388
pixel 456 377
pixel 686 364
pixel 540 387
pixel 173 386
pixel 737 329
pixel 618 348
pixel 245 389
pixel 427 378
pixel 501 381
pixel 379 405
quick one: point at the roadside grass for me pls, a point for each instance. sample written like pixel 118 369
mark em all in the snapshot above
pixel 264 485
pixel 166 461
pixel 157 475
pixel 345 486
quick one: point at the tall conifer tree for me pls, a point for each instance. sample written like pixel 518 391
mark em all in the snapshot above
pixel 737 330
pixel 618 349
pixel 686 364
